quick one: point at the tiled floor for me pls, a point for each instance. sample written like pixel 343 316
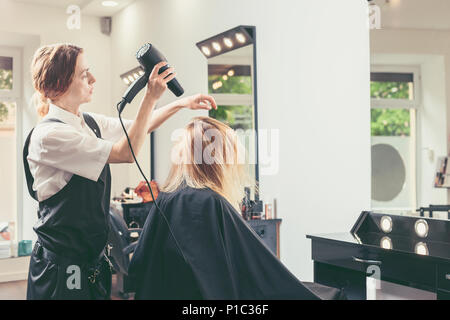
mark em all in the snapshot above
pixel 17 290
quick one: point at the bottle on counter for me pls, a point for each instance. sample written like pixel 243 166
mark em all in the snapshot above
pixel 268 211
pixel 13 241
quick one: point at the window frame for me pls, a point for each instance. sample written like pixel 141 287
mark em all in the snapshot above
pixel 414 104
pixel 398 103
pixel 15 95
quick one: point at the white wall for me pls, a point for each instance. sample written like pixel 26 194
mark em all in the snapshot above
pixel 27 27
pixel 7 175
pixel 428 49
pixel 433 129
pixel 313 85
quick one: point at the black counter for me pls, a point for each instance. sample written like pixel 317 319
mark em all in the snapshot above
pixel 344 260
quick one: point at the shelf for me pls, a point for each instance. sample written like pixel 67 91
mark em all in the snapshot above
pixel 13 269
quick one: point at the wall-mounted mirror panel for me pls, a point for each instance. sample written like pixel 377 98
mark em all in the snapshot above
pixel 232 83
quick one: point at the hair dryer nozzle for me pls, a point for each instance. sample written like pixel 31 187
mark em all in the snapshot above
pixel 148 56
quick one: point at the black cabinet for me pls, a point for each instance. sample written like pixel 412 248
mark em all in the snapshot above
pixel 269 232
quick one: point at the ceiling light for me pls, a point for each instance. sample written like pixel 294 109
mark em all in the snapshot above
pixel 109 3
pixel 225 77
pixel 206 51
pixel 130 78
pixel 228 42
pixel 421 227
pixel 386 224
pixel 127 82
pixel 240 37
pixel 230 72
pixel 135 75
pixel 216 46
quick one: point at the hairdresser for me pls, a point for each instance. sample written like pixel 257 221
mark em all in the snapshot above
pixel 66 160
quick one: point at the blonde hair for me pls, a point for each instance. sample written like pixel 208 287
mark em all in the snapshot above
pixel 208 154
pixel 52 71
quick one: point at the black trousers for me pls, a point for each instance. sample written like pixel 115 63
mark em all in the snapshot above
pixel 52 277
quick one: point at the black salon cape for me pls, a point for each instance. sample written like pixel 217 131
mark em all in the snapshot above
pixel 225 258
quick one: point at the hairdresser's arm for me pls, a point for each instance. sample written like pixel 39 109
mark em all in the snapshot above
pixel 157 84
pixel 195 102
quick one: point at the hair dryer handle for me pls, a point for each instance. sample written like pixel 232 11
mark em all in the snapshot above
pixel 173 84
pixel 175 87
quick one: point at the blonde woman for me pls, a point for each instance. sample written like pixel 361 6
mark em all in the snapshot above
pixel 209 251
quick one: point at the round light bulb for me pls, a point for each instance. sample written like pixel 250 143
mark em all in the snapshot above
pixel 206 51
pixel 421 227
pixel 141 72
pixel 216 46
pixel 225 77
pixel 386 224
pixel 421 248
pixel 386 243
pixel 240 37
pixel 230 72
pixel 130 78
pixel 228 42
pixel 126 81
pixel 135 75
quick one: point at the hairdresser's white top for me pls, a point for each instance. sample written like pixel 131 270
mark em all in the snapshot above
pixel 59 150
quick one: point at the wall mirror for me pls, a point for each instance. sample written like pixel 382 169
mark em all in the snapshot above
pixel 231 57
pixel 409 108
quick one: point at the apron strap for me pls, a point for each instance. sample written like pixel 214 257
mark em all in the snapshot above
pixel 92 124
pixel 29 177
pixel 26 166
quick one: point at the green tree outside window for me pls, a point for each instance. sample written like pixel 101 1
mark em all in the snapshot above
pixel 390 122
pixel 232 84
pixel 5 84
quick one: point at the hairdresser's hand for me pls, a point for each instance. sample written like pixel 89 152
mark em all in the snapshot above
pixel 198 102
pixel 157 83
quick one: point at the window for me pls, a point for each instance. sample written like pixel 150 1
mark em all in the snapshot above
pixel 394 102
pixel 9 99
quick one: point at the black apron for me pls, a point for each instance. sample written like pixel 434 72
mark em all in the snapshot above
pixel 68 260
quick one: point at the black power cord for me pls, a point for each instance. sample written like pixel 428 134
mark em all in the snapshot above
pixel 145 178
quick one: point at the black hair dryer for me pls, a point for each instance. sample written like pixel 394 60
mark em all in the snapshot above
pixel 148 56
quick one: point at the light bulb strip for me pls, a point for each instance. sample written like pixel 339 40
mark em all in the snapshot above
pixel 130 76
pixel 226 41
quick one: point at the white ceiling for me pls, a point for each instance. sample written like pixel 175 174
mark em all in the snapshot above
pixel 415 14
pixel 406 14
pixel 88 7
